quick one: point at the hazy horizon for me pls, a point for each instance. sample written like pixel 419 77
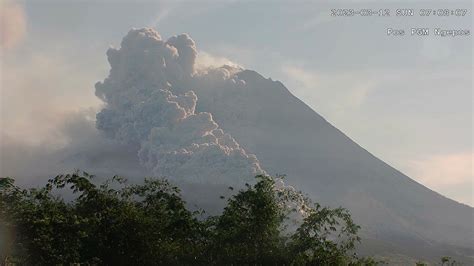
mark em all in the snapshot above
pixel 407 100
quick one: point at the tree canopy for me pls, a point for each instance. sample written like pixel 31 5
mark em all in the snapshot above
pixel 115 223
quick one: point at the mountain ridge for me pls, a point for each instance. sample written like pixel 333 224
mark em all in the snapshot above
pixel 288 136
pixel 212 127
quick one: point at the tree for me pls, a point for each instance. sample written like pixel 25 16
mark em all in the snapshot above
pixel 143 224
pixel 248 231
pixel 448 261
pixel 148 224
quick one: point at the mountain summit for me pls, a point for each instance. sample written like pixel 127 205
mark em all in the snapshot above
pixel 212 125
pixel 287 136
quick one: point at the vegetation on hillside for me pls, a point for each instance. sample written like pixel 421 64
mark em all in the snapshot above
pixel 115 223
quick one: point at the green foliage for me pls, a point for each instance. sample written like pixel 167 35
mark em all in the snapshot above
pixel 248 231
pixel 420 263
pixel 448 261
pixel 312 243
pixel 148 224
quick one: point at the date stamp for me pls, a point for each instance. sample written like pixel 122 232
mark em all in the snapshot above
pixel 436 22
pixel 400 12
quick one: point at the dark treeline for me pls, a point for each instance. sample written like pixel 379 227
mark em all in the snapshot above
pixel 148 224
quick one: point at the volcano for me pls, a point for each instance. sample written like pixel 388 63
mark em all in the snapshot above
pixel 215 124
pixel 397 214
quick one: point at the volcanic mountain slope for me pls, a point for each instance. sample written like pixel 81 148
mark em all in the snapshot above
pixel 288 137
pixel 220 125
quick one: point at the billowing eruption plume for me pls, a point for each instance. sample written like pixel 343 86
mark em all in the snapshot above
pixel 149 107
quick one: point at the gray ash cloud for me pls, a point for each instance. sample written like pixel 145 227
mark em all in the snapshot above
pixel 150 102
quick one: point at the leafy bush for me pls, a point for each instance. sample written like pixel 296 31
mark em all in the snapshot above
pixel 149 224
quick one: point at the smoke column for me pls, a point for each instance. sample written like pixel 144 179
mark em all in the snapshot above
pixel 148 106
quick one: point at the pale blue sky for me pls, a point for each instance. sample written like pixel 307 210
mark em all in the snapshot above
pixel 407 100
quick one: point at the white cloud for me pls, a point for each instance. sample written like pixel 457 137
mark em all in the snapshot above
pixel 446 172
pixel 164 11
pixel 12 24
pixel 39 92
pixel 205 60
pixel 246 56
